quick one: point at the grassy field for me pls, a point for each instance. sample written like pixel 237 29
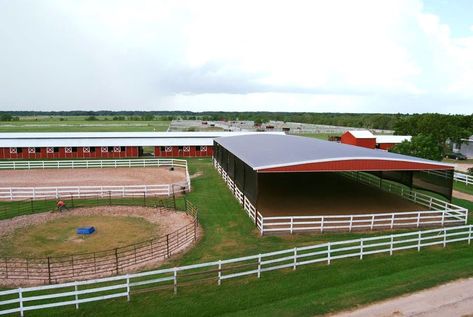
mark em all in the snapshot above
pixel 80 124
pixel 58 237
pixel 462 187
pixel 310 290
pixel 321 136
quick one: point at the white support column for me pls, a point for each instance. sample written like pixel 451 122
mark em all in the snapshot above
pixel 391 246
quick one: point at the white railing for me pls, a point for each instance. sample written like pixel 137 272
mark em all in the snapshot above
pixel 21 300
pixel 463 178
pixel 438 213
pixel 92 163
pixel 19 193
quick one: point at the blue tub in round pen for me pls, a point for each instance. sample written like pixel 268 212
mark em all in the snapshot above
pixel 85 230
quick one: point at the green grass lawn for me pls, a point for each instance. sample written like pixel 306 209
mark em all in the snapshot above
pixel 321 136
pixel 310 290
pixel 79 124
pixel 462 187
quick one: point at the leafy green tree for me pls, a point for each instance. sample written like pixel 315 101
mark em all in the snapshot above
pixel 422 145
pixel 6 117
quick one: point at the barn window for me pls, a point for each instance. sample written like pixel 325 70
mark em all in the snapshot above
pixel 56 150
pixel 93 149
pixel 116 149
pixel 14 150
pixel 31 150
pixel 168 149
pixel 197 148
pixel 104 149
pixel 187 148
pixel 49 150
pixel 68 149
pixel 110 149
pixel 180 148
pixel 162 148
pixel 38 150
pixel 203 148
pixel 86 149
pixel 74 150
pixel 122 149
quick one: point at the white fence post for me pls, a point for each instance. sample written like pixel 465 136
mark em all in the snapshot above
pixel 20 299
pixel 469 235
pixel 444 238
pixel 76 296
pixel 259 265
pixel 391 245
pixel 219 272
pixel 175 281
pixel 295 258
pixel 351 223
pixel 419 242
pixel 361 249
pixel 292 224
pixel 328 253
pixel 128 287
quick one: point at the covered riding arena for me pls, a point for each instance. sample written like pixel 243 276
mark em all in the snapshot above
pixel 283 177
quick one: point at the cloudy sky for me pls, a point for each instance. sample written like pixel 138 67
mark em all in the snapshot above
pixel 296 55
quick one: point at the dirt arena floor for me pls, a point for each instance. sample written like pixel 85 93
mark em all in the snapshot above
pixel 91 177
pixel 324 194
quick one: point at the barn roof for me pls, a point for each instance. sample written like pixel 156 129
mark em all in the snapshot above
pixel 361 134
pixel 79 139
pixel 266 153
pixel 392 138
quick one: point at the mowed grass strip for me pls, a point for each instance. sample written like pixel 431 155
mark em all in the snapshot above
pixel 58 237
pixel 462 187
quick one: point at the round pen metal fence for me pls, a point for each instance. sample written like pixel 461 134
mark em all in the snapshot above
pixel 107 262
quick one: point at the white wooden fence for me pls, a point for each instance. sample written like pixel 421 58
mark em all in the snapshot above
pixel 21 300
pixel 18 193
pixel 92 163
pixel 463 178
pixel 437 213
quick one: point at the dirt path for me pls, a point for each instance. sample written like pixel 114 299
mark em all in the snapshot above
pixel 452 299
pixel 462 195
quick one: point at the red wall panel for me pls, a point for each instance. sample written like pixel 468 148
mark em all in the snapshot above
pixel 358 165
pixel 348 138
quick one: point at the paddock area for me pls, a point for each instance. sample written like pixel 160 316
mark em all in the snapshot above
pixel 324 194
pixel 91 177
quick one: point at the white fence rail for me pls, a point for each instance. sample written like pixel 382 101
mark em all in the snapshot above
pixel 92 163
pixel 437 213
pixel 463 178
pixel 17 193
pixel 22 300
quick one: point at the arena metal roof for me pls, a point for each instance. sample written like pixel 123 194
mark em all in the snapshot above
pixel 79 139
pixel 265 152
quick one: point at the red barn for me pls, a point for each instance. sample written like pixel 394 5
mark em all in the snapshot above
pixel 108 144
pixel 363 138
